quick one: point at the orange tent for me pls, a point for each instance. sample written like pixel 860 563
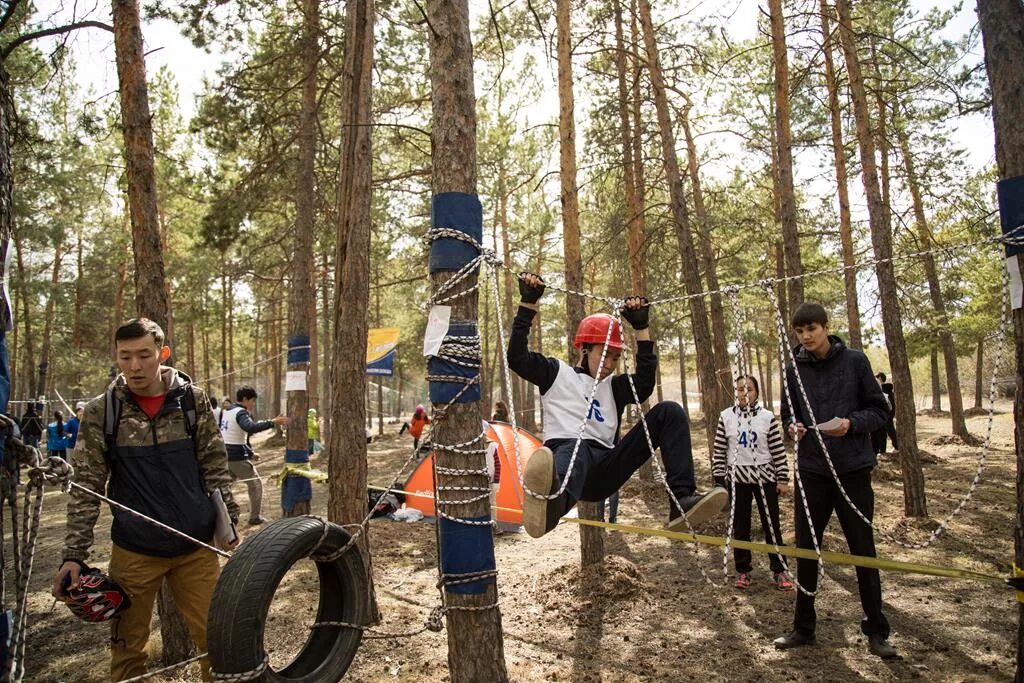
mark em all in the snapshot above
pixel 419 489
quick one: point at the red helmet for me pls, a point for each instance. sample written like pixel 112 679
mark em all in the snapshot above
pixel 97 597
pixel 594 330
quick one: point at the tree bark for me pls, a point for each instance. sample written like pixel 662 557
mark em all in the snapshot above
pixel 956 402
pixel 936 384
pixel 301 291
pixel 784 155
pixel 591 538
pixel 718 334
pixel 682 372
pixel 29 372
pixel 681 218
pixel 346 447
pixel 914 501
pixel 44 354
pixel 1002 29
pixel 76 323
pixel 151 291
pixel 842 183
pixel 634 210
pixel 979 359
pixel 475 641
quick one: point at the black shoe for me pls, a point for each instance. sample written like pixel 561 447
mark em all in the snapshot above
pixel 794 639
pixel 880 647
pixel 699 508
pixel 541 515
pixel 256 521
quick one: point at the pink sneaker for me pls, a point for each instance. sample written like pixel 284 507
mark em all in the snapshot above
pixel 743 581
pixel 782 582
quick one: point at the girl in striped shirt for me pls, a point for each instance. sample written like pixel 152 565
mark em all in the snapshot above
pixel 749 448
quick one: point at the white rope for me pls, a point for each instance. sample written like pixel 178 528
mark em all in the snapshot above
pixel 157 672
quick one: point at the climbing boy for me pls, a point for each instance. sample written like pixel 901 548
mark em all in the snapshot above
pixel 839 384
pixel 603 462
pixel 150 443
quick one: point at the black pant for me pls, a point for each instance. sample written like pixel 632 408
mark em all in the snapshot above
pixel 878 440
pixel 823 497
pixel 599 472
pixel 745 494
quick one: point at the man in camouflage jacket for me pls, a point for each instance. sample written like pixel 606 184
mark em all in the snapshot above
pixel 152 464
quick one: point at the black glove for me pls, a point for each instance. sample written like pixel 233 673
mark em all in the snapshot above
pixel 528 293
pixel 638 318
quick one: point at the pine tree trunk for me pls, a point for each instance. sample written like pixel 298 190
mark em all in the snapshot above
pixel 76 322
pixel 29 372
pixel 784 156
pixel 346 447
pixel 680 214
pixel 956 402
pixel 842 183
pixel 475 642
pixel 150 282
pixel 326 325
pixel 914 501
pixel 718 334
pixel 936 384
pixel 634 224
pixel 682 372
pixel 1002 29
pixel 591 538
pixel 979 361
pixel 301 291
pixel 44 354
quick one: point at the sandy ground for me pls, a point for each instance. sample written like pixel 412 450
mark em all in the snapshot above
pixel 648 615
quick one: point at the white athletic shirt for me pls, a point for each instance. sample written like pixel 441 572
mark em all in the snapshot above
pixel 565 406
pixel 233 434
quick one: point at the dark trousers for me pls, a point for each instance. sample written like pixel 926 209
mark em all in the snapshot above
pixel 598 472
pixel 613 508
pixel 767 496
pixel 823 497
pixel 878 437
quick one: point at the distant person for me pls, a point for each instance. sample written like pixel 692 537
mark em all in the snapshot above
pixel 217 410
pixel 748 442
pixel 602 462
pixel 878 437
pixel 72 425
pixel 237 426
pixel 56 437
pixel 415 426
pixel 31 425
pixel 313 430
pixel 500 412
pixel 839 385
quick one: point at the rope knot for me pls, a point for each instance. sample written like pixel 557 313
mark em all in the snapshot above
pixel 435 622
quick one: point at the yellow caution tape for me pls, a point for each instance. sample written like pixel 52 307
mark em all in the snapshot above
pixel 1017 574
pixel 301 469
pixel 790 551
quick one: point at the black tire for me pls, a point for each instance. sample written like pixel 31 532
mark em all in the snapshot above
pixel 242 597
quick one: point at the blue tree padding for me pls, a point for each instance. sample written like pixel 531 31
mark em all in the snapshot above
pixel 295 489
pixel 298 350
pixel 458 211
pixel 296 455
pixel 442 392
pixel 1010 192
pixel 466 549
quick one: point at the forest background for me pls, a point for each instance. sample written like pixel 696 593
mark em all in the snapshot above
pixel 226 171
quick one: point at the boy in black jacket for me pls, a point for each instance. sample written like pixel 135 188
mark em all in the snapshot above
pixel 839 384
pixel 603 463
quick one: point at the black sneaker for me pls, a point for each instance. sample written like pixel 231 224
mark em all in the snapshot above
pixel 256 521
pixel 794 639
pixel 541 515
pixel 880 647
pixel 699 508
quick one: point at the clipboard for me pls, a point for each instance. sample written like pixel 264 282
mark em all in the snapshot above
pixel 224 532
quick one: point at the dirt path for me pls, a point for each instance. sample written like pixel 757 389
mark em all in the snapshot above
pixel 647 615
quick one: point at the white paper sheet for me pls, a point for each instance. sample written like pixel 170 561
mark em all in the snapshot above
pixel 437 328
pixel 1016 287
pixel 224 531
pixel 295 380
pixel 834 423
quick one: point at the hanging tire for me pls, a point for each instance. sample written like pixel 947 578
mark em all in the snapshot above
pixel 242 597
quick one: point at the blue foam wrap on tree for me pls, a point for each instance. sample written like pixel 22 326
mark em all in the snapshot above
pixel 442 392
pixel 457 211
pixel 468 548
pixel 298 350
pixel 295 489
pixel 1010 192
